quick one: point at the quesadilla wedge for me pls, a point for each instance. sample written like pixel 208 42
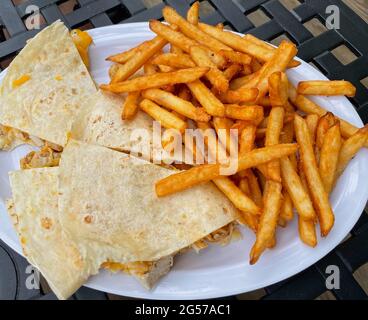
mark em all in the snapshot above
pixel 45 86
pixel 108 206
pixel 100 122
pixel 34 212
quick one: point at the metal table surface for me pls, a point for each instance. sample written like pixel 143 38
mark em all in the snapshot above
pixel 339 53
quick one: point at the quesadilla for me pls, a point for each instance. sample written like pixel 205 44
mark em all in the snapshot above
pixel 45 86
pixel 34 212
pixel 108 206
pixel 100 123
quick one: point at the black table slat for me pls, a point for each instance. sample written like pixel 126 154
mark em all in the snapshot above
pixel 289 22
pixel 231 13
pixel 9 16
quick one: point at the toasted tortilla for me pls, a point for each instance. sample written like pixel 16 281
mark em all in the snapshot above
pixel 108 206
pixel 35 214
pixel 100 123
pixel 57 83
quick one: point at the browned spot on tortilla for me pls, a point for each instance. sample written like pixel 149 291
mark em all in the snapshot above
pixel 46 223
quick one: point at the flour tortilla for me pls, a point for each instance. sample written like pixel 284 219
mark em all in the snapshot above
pixel 108 206
pixel 45 105
pixel 100 123
pixel 35 214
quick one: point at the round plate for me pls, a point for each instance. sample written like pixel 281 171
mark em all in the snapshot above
pixel 218 271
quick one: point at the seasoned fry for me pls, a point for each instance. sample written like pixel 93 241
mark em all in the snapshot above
pixel 274 126
pixel 308 106
pixel 236 57
pixel 170 101
pixel 279 61
pixel 255 190
pixel 206 98
pixel 193 13
pixel 327 88
pixel 278 86
pixel 156 80
pixel 192 31
pixel 312 122
pixel 319 195
pixel 350 148
pixel 244 186
pixel 126 55
pixel 174 60
pixel 267 46
pixel 231 71
pixel 186 179
pixel 227 140
pixel 236 196
pixel 293 184
pixel 307 231
pixel 138 60
pixel 329 156
pixel 130 107
pixel 240 44
pixel 166 118
pixel 286 210
pixel 149 68
pixel 113 69
pixel 240 95
pixel 268 220
pixel 324 124
pixel 248 81
pixel 249 113
pixel 214 75
pixel 247 138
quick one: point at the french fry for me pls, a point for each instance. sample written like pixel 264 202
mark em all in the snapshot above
pixel 164 68
pixel 240 44
pixel 138 60
pixel 236 196
pixel 249 220
pixel 244 81
pixel 255 190
pixel 312 123
pixel 240 95
pixel 286 210
pixel 149 68
pixel 127 55
pixel 174 60
pixel 268 220
pixel 231 71
pixel 307 228
pixel 279 61
pixel 192 31
pixel 156 80
pixel 324 124
pixel 236 57
pixel 130 107
pixel 255 65
pixel 193 13
pixel 326 88
pixel 186 179
pixel 329 156
pixel 307 232
pixel 113 69
pixel 278 89
pixel 244 186
pixel 267 46
pixel 227 140
pixel 293 184
pixel 247 69
pixel 274 127
pixel 166 118
pixel 248 113
pixel 247 138
pixel 170 101
pixel 214 75
pixel 350 148
pixel 220 26
pixel 207 99
pixel 184 93
pixel 308 106
pixel 319 195
pixel 287 136
pixel 175 49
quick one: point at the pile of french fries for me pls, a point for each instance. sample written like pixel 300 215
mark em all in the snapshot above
pixel 290 150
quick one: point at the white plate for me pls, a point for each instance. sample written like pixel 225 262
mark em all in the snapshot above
pixel 218 271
